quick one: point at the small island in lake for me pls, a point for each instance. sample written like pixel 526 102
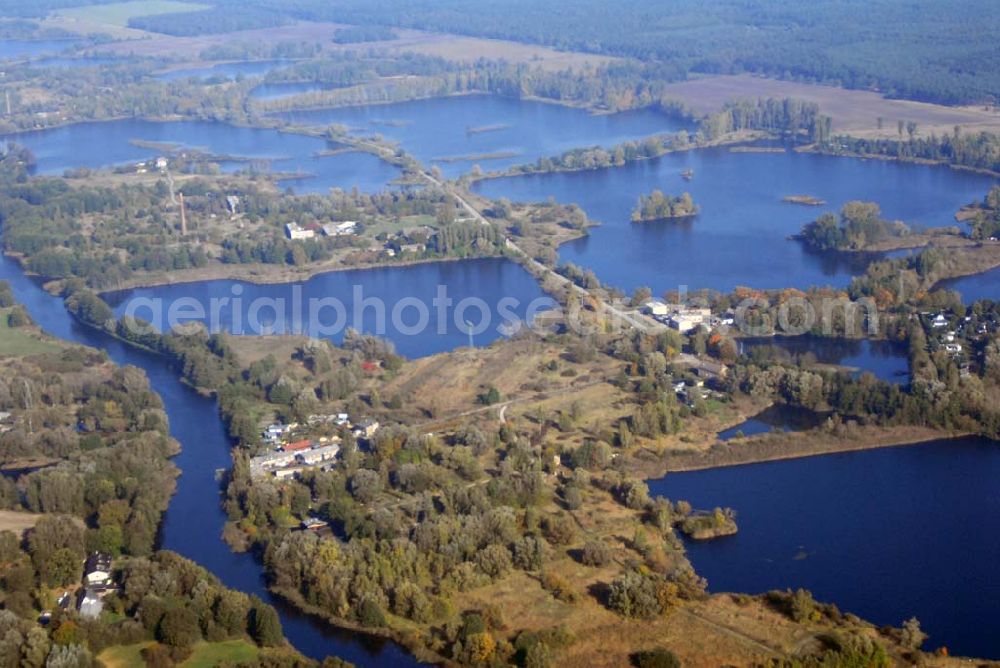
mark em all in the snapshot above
pixel 805 200
pixel 704 526
pixel 860 226
pixel 658 206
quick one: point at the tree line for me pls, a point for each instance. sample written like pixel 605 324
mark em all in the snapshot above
pixel 815 43
pixel 980 150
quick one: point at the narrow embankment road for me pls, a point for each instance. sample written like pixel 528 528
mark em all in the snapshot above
pixel 612 311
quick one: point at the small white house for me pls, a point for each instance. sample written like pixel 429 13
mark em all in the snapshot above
pixel 939 321
pixel 685 322
pixel 296 232
pixel 345 228
pixel 97 570
pixel 953 348
pixel 655 307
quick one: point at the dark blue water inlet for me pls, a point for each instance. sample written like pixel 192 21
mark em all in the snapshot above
pixel 886 534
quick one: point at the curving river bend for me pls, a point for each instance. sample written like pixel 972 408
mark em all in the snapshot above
pixel 192 525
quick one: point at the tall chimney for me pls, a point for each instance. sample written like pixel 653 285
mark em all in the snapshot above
pixel 184 220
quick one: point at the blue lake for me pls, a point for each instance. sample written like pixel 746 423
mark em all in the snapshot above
pixel 885 360
pixel 976 287
pixel 778 417
pixel 226 71
pixel 741 234
pixel 388 302
pixel 108 144
pixel 277 91
pixel 450 132
pixel 886 534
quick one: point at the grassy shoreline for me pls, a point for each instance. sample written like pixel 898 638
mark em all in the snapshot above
pixel 739 452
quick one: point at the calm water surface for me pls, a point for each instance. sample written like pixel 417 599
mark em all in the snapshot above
pixel 976 287
pixel 277 91
pixel 458 132
pixel 193 523
pixel 383 301
pixel 227 71
pixel 741 235
pixel 780 417
pixel 885 360
pixel 109 144
pixel 886 534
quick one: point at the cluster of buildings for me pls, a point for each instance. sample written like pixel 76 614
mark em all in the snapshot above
pixel 953 334
pixel 411 240
pixel 159 164
pixel 289 456
pixel 684 318
pixel 296 232
pixel 946 336
pixel 293 458
pixel 98 582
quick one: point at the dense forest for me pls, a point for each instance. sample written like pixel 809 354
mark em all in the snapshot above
pixel 209 21
pixel 109 431
pixel 858 44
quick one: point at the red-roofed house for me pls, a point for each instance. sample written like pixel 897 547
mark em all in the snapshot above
pixel 298 446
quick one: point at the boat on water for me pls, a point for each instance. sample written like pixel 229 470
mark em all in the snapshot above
pixel 687 174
